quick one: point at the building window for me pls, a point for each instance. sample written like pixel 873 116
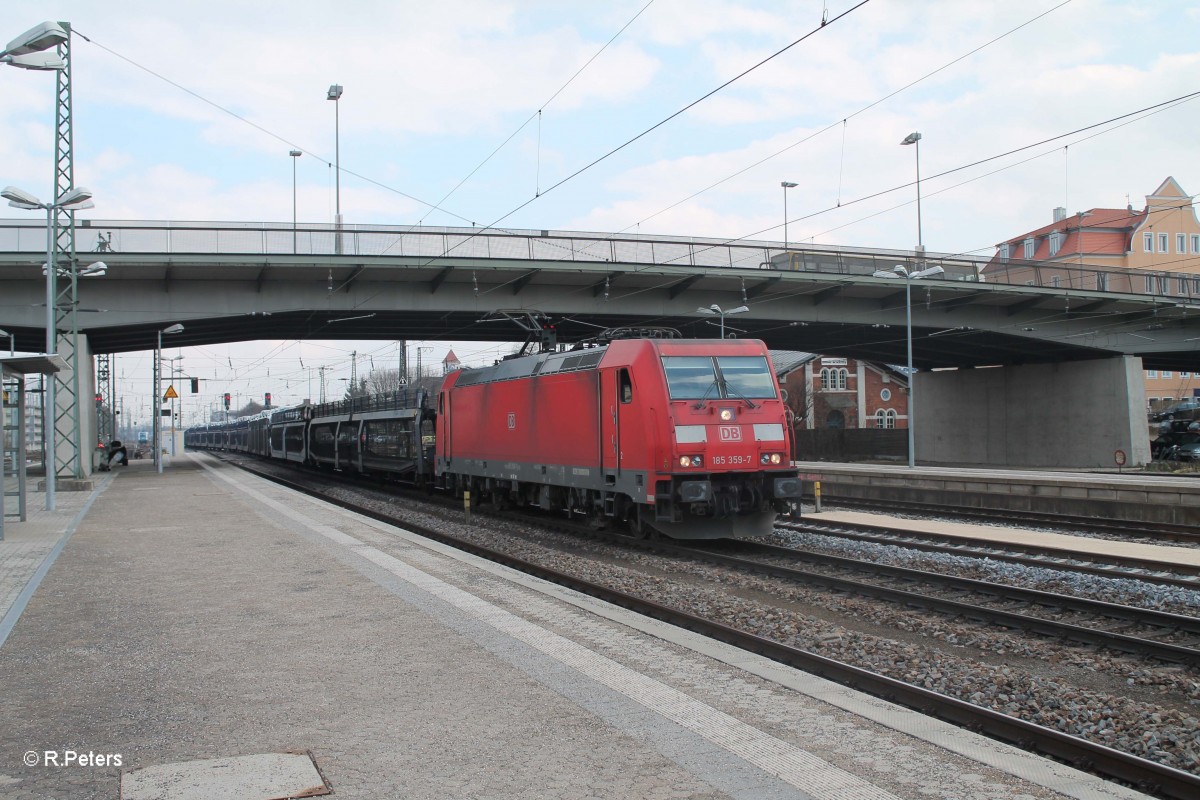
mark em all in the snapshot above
pixel 1196 285
pixel 1150 284
pixel 1164 284
pixel 1055 242
pixel 834 379
pixel 1029 249
pixel 1004 252
pixel 1054 279
pixel 1166 373
pixel 1185 374
pixel 1181 243
pixel 1163 241
pixel 1148 242
pixel 885 418
pixel 1196 244
pixel 1102 281
pixel 1151 373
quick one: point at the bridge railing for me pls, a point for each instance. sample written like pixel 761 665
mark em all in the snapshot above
pixel 435 243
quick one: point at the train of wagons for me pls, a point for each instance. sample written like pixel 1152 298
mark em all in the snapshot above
pixel 687 438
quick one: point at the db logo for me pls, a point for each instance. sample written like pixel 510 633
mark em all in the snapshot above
pixel 512 420
pixel 730 433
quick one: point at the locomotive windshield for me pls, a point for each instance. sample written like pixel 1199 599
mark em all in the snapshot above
pixel 703 377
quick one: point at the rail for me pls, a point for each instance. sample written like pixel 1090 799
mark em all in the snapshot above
pixel 429 242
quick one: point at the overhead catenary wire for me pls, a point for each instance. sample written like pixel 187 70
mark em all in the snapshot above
pixel 538 114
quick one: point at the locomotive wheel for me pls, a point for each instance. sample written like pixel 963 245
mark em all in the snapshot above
pixel 638 527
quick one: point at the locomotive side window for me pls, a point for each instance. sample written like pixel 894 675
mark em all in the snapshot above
pixel 626 387
pixel 746 376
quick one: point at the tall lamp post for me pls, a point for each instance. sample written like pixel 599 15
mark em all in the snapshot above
pixel 74 200
pixel 914 138
pixel 295 154
pixel 334 94
pixel 715 310
pixel 786 185
pixel 899 272
pixel 176 328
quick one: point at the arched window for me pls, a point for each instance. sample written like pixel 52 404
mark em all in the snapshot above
pixel 834 378
pixel 836 419
pixel 885 418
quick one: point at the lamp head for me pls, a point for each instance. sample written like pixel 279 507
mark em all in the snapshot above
pixel 76 198
pixel 41 62
pixel 335 91
pixel 295 153
pixel 176 328
pixel 738 310
pixel 708 311
pixel 19 198
pixel 912 138
pixel 788 185
pixel 928 273
pixel 38 38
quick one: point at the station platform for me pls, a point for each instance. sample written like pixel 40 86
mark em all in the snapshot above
pixel 185 634
pixel 1131 495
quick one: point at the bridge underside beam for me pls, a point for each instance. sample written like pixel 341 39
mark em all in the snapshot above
pixel 682 286
pixel 755 291
pixel 523 281
pixel 825 294
pixel 353 277
pixel 439 278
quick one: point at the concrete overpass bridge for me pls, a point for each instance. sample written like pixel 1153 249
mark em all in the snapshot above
pixel 1038 321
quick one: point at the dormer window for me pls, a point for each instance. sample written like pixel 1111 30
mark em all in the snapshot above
pixel 1055 242
pixel 1029 246
pixel 1004 252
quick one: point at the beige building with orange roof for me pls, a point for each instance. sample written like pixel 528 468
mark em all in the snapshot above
pixel 1162 240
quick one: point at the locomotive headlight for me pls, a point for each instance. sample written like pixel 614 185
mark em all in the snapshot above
pixel 776 458
pixel 727 415
pixel 697 461
pixel 685 461
pixel 765 459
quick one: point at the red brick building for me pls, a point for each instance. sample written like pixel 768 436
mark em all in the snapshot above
pixel 829 392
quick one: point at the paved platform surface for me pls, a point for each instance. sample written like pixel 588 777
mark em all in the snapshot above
pixel 205 614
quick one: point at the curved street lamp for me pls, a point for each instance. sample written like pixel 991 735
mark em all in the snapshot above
pixel 786 185
pixel 73 200
pixel 914 138
pixel 901 273
pixel 295 154
pixel 715 310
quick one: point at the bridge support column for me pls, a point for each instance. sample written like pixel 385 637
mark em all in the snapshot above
pixel 1073 414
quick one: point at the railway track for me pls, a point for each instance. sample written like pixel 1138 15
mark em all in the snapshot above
pixel 1168 637
pixel 1180 575
pixel 1157 532
pixel 1158 779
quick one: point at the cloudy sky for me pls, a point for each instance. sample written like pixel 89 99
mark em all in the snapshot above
pixel 187 110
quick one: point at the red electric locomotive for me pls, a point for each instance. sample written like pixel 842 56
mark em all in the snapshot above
pixel 686 437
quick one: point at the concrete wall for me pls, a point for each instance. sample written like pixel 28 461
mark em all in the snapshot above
pixel 1073 414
